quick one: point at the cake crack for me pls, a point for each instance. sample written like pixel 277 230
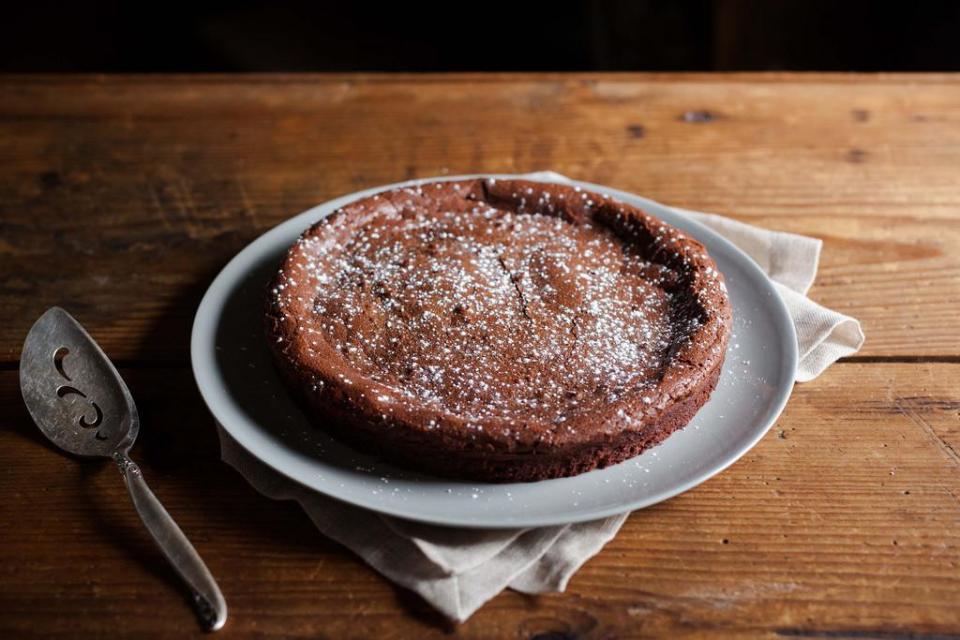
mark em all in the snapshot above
pixel 521 299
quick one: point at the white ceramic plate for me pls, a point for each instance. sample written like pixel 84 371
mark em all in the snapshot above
pixel 233 370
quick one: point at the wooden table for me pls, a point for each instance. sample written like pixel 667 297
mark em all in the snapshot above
pixel 121 197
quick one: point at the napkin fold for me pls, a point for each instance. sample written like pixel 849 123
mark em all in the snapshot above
pixel 458 570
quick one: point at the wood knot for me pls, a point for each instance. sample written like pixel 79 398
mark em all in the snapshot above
pixel 50 180
pixel 857 156
pixel 553 635
pixel 698 116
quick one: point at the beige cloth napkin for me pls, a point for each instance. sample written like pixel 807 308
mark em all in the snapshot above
pixel 458 570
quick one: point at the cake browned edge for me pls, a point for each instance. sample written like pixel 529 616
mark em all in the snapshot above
pixel 331 407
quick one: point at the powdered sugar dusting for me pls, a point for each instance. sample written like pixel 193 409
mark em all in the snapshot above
pixel 484 312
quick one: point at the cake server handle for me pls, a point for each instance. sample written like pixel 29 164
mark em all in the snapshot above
pixel 207 598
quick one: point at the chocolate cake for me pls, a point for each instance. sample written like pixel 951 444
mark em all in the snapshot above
pixel 498 330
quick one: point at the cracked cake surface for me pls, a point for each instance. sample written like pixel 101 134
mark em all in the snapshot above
pixel 498 330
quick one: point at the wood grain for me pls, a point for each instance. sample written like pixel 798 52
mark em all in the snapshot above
pixel 844 521
pixel 120 198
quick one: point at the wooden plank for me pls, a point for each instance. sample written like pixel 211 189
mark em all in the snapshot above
pixel 843 522
pixel 121 197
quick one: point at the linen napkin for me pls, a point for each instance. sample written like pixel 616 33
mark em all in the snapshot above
pixel 458 570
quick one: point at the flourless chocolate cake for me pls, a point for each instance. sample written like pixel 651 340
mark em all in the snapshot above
pixel 498 330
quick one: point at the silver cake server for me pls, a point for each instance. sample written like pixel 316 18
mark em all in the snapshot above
pixel 79 401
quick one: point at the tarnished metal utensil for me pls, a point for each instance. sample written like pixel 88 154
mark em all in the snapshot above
pixel 81 404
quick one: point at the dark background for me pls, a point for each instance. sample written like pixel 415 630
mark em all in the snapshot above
pixel 640 35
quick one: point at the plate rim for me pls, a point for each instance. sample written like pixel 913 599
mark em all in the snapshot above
pixel 202 370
